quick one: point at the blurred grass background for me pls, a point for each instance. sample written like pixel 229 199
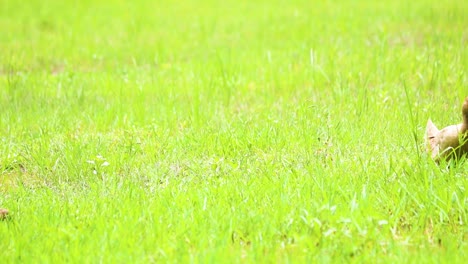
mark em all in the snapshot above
pixel 251 131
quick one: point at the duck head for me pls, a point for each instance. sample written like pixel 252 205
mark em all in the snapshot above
pixel 465 113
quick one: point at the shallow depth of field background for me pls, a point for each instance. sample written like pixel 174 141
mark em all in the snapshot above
pixel 238 131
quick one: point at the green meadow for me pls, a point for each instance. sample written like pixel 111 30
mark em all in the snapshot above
pixel 230 131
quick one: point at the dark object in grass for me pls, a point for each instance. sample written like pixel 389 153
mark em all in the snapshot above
pixel 3 214
pixel 449 142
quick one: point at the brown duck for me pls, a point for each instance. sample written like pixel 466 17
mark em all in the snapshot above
pixel 3 213
pixel 449 142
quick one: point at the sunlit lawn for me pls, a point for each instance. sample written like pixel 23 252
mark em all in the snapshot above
pixel 230 131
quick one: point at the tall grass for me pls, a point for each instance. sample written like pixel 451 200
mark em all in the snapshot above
pixel 207 131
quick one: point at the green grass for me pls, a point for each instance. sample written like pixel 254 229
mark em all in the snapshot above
pixel 230 131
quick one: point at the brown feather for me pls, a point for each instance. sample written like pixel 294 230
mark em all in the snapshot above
pixel 450 141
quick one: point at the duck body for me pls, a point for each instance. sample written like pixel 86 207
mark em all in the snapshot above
pixel 3 214
pixel 449 142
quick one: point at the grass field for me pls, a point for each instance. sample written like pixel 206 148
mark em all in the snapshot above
pixel 230 131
